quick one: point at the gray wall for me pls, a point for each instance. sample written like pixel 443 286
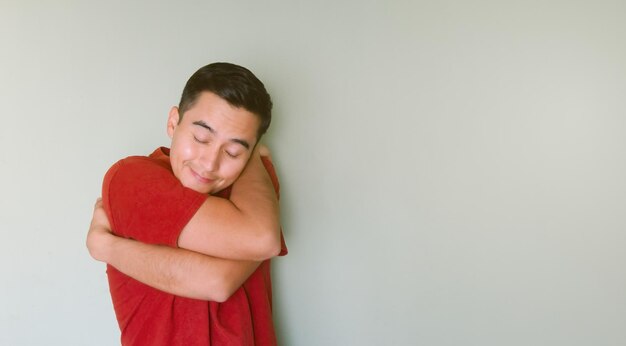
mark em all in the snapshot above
pixel 452 171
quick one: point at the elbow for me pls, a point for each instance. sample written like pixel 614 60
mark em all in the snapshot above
pixel 223 289
pixel 216 296
pixel 268 246
pixel 221 297
pixel 218 290
pixel 274 249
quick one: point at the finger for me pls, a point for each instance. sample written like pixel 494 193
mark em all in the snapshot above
pixel 98 203
pixel 264 151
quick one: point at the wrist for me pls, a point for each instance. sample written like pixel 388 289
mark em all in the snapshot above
pixel 100 243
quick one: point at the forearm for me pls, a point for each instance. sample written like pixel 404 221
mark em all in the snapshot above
pixel 246 227
pixel 178 271
pixel 255 197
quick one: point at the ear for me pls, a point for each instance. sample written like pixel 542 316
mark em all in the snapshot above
pixel 172 121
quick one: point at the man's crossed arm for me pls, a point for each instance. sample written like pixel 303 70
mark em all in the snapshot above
pixel 220 247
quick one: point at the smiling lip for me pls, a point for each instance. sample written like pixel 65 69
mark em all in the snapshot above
pixel 201 178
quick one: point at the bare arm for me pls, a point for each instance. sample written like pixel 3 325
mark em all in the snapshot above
pixel 246 227
pixel 176 271
pixel 190 273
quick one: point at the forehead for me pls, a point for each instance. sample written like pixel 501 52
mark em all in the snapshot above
pixel 222 117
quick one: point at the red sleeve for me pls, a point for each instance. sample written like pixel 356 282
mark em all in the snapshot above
pixel 145 201
pixel 272 172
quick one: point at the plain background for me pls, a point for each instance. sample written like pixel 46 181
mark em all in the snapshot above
pixel 452 171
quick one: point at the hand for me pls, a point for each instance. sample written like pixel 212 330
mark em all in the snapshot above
pixel 264 151
pixel 99 235
pixel 255 162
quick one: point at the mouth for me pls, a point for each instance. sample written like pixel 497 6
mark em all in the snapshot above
pixel 200 178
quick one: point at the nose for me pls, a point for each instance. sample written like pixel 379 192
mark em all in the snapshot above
pixel 209 159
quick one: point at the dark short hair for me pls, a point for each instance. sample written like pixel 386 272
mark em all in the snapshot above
pixel 233 83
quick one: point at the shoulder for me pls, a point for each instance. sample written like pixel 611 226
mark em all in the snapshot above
pixel 145 201
pixel 138 177
pixel 138 169
pixel 139 163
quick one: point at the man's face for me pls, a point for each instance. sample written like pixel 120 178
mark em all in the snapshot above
pixel 212 144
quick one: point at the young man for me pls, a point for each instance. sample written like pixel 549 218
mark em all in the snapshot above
pixel 195 225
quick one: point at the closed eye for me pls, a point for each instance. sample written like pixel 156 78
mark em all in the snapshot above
pixel 231 154
pixel 200 140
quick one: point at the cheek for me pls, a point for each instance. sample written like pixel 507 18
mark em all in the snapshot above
pixel 182 150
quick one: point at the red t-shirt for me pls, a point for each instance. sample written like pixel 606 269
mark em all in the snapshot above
pixel 145 201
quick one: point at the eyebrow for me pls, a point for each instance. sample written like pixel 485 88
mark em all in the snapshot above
pixel 202 124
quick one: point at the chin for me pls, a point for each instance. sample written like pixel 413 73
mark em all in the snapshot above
pixel 196 187
pixel 215 190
